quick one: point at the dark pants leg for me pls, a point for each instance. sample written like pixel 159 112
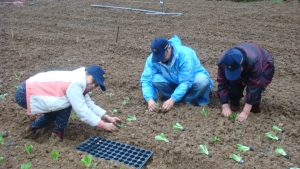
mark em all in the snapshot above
pixel 236 93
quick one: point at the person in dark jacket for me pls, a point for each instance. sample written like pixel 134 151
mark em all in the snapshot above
pixel 245 65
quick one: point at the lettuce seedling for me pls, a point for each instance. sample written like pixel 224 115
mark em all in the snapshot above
pixel 126 101
pixel 2 96
pixel 161 137
pixel 110 94
pixel 17 77
pixel 280 150
pixel 204 112
pixel 87 161
pixel 271 136
pixel 28 148
pixel 233 116
pixel 131 118
pixel 26 166
pixel 216 138
pixel 121 125
pixel 240 147
pixel 73 116
pixel 177 126
pixel 55 155
pixel 1 159
pixel 204 150
pixel 157 105
pixel 276 128
pixel 15 86
pixel 90 93
pixel 112 112
pixel 237 158
pixel 1 139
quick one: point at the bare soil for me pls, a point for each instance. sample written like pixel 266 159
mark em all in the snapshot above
pixel 65 35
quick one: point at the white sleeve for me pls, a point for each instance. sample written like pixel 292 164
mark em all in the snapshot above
pixel 80 106
pixel 96 109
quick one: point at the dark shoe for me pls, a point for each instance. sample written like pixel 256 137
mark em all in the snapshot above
pixel 57 136
pixel 255 108
pixel 234 106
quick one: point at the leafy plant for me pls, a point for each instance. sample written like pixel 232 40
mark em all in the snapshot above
pixel 204 150
pixel 240 147
pixel 110 94
pixel 55 155
pixel 276 128
pixel 281 151
pixel 126 101
pixel 2 96
pixel 177 126
pixel 90 93
pixel 1 139
pixel 233 116
pixel 158 106
pixel 87 161
pixel 121 125
pixel 121 168
pixel 112 112
pixel 204 112
pixel 26 166
pixel 1 159
pixel 237 158
pixel 216 138
pixel 73 116
pixel 271 136
pixel 161 137
pixel 28 148
pixel 15 86
pixel 17 77
pixel 131 118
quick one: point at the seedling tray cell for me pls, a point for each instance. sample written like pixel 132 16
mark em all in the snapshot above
pixel 111 150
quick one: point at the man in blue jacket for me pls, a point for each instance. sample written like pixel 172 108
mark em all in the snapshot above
pixel 175 71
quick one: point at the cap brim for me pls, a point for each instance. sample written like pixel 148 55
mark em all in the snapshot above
pixel 101 84
pixel 158 57
pixel 232 75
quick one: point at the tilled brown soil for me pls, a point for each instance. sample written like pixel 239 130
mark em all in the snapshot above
pixel 65 35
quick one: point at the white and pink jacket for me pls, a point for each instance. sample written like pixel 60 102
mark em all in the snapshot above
pixel 56 90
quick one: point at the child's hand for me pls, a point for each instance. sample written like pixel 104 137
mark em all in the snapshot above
pixel 109 127
pixel 114 120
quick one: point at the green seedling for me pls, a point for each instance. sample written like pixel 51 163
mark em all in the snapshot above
pixel 271 136
pixel 281 151
pixel 1 159
pixel 90 93
pixel 204 112
pixel 240 147
pixel 233 116
pixel 126 101
pixel 87 161
pixel 131 118
pixel 17 77
pixel 2 96
pixel 237 158
pixel 121 125
pixel 216 138
pixel 73 116
pixel 110 94
pixel 293 167
pixel 157 105
pixel 55 155
pixel 112 112
pixel 26 166
pixel 15 86
pixel 1 139
pixel 121 168
pixel 28 148
pixel 276 128
pixel 161 137
pixel 177 126
pixel 203 150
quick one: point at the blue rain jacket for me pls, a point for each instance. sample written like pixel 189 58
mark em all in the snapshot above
pixel 181 70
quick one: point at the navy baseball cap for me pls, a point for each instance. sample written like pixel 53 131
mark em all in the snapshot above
pixel 98 75
pixel 233 60
pixel 158 47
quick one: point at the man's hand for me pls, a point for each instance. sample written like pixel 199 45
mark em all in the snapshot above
pixel 109 127
pixel 167 105
pixel 152 105
pixel 226 110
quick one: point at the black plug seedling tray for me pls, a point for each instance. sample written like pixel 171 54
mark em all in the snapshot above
pixel 111 150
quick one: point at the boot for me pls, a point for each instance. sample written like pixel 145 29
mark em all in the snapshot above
pixel 234 106
pixel 57 136
pixel 255 108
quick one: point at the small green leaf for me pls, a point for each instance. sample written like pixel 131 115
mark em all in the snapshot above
pixel 205 112
pixel 113 111
pixel 276 128
pixel 216 138
pixel 131 118
pixel 1 139
pixel 271 136
pixel 121 125
pixel 177 126
pixel 26 166
pixel 87 160
pixel 243 148
pixel 1 159
pixel 15 86
pixel 203 150
pixel 237 158
pixel 161 137
pixel 55 155
pixel 28 148
pixel 233 116
pixel 73 116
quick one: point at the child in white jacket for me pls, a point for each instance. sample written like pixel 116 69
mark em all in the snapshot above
pixel 53 94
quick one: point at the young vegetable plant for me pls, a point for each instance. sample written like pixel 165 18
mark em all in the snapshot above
pixel 204 150
pixel 204 112
pixel 110 94
pixel 161 137
pixel 15 86
pixel 2 96
pixel 177 126
pixel 276 128
pixel 281 151
pixel 26 166
pixel 158 106
pixel 17 77
pixel 55 155
pixel 271 136
pixel 233 116
pixel 237 158
pixel 1 139
pixel 73 116
pixel 1 159
pixel 87 161
pixel 240 147
pixel 216 138
pixel 126 101
pixel 121 125
pixel 131 118
pixel 90 93
pixel 28 148
pixel 112 112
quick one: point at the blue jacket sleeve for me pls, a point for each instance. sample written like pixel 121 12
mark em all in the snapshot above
pixel 149 92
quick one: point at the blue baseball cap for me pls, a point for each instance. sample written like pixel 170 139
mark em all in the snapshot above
pixel 233 60
pixel 158 47
pixel 98 75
